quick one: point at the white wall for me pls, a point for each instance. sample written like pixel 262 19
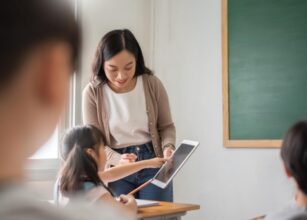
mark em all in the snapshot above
pixel 228 183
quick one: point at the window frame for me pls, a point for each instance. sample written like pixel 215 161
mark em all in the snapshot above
pixel 46 169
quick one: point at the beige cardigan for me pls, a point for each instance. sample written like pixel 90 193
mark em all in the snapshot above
pixel 161 126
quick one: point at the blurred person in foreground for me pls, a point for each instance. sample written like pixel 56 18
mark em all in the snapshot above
pixel 39 47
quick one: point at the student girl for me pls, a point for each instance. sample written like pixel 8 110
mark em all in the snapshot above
pixel 83 170
pixel 131 108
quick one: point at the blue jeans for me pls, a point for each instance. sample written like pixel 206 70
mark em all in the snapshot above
pixel 129 183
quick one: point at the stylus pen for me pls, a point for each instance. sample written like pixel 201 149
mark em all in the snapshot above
pixel 140 187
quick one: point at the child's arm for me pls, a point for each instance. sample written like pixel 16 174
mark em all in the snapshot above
pixel 126 203
pixel 121 171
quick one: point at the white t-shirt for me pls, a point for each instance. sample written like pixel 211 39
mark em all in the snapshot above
pixel 128 120
pixel 17 203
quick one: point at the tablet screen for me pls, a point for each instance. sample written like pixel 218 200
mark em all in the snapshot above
pixel 171 167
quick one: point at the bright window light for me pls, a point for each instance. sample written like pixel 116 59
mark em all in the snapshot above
pixel 50 149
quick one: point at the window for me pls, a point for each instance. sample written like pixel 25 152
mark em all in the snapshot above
pixel 44 164
pixel 50 149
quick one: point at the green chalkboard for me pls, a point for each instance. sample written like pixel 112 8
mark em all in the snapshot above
pixel 267 67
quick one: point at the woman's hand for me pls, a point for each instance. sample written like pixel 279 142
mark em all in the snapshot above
pixel 168 152
pixel 127 158
pixel 129 202
pixel 156 162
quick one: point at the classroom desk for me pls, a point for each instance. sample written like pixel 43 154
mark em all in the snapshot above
pixel 165 211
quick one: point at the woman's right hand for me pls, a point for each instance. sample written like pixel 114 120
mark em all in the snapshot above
pixel 129 202
pixel 156 162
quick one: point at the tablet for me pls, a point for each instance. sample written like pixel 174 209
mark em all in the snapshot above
pixel 171 167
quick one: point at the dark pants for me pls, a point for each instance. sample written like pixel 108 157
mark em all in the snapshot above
pixel 129 183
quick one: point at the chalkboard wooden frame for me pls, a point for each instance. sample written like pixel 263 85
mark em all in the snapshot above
pixel 226 137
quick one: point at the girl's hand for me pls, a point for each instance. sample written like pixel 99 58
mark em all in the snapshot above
pixel 156 162
pixel 127 158
pixel 128 201
pixel 168 152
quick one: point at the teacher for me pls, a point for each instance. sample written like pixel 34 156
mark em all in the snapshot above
pixel 131 108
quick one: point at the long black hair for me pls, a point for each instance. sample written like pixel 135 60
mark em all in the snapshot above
pixel 294 153
pixel 79 166
pixel 111 44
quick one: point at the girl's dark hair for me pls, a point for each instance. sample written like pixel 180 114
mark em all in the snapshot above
pixel 111 44
pixel 79 166
pixel 294 153
pixel 28 24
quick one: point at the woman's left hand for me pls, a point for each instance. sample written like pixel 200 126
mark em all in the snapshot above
pixel 127 158
pixel 168 152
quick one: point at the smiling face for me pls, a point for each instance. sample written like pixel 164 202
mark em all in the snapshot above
pixel 120 71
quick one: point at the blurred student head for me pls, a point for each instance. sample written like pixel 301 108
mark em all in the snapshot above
pixel 39 41
pixel 294 154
